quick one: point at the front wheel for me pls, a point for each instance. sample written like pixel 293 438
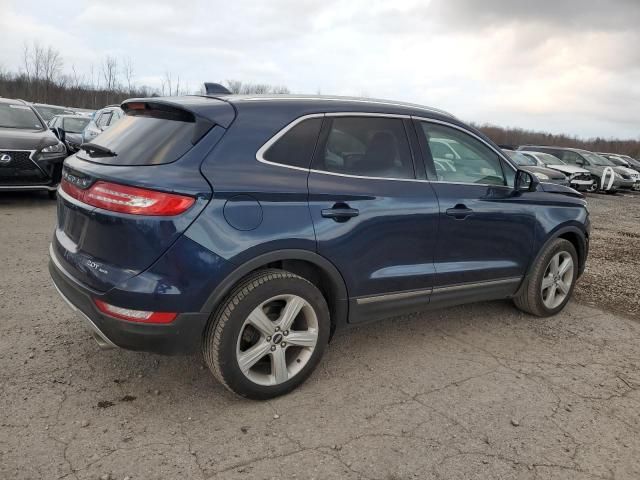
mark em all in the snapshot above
pixel 550 284
pixel 268 336
pixel 595 186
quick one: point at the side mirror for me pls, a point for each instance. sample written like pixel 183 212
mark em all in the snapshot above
pixel 526 182
pixel 59 133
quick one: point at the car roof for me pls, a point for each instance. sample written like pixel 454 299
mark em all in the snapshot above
pixel 335 103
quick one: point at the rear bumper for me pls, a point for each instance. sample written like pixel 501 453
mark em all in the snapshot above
pixel 182 336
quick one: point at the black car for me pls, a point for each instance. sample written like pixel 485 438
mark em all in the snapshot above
pixel 31 155
pixel 73 126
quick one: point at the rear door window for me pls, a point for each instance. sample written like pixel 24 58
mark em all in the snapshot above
pixel 366 146
pixel 295 148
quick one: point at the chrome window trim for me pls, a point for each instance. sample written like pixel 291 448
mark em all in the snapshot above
pixel 262 150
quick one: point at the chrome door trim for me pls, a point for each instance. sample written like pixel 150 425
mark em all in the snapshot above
pixel 389 297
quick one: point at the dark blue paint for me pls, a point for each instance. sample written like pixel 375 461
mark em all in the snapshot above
pixel 249 214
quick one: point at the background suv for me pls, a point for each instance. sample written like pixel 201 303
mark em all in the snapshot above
pixel 531 165
pixel 255 227
pixel 579 178
pixel 31 155
pixel 102 120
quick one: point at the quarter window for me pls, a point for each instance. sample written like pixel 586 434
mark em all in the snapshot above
pixel 295 147
pixel 103 121
pixel 458 157
pixel 368 147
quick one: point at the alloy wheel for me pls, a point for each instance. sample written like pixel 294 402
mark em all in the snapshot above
pixel 277 339
pixel 557 280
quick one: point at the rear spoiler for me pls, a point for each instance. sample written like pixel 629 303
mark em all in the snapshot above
pixel 204 111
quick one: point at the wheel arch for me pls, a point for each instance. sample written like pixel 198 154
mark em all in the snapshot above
pixel 307 264
pixel 578 238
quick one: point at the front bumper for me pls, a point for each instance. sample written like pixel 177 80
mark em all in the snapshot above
pixel 626 184
pixel 182 336
pixel 581 184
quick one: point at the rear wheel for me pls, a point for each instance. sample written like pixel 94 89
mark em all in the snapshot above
pixel 550 284
pixel 268 336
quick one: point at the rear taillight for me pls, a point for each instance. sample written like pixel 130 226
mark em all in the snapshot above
pixel 140 316
pixel 126 199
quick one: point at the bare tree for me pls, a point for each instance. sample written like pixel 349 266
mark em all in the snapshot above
pixel 128 72
pixel 110 73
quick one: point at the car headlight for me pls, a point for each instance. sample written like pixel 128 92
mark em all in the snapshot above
pixel 541 176
pixel 57 148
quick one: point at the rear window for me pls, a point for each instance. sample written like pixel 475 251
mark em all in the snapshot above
pixel 143 140
pixel 295 148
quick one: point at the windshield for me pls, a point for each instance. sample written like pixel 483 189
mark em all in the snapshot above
pixel 548 159
pixel 597 159
pixel 520 159
pixel 49 112
pixel 19 116
pixel 75 125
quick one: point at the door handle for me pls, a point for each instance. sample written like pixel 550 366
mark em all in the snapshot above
pixel 459 212
pixel 340 212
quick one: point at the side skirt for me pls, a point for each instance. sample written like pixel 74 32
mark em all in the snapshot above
pixel 377 307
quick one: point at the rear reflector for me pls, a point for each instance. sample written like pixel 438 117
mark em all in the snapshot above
pixel 125 199
pixel 140 316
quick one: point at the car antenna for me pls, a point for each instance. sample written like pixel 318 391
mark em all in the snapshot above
pixel 216 89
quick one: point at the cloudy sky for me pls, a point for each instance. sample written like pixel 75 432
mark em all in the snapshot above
pixel 568 66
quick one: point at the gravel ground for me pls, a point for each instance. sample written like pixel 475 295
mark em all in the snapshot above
pixel 480 391
pixel 610 280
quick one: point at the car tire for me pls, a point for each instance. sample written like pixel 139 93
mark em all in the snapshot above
pixel 52 194
pixel 548 288
pixel 595 186
pixel 249 342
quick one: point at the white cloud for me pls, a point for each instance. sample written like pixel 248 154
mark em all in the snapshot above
pixel 570 66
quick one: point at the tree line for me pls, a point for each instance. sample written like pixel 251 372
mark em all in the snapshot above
pixel 42 78
pixel 518 136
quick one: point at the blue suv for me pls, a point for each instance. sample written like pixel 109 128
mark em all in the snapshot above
pixel 252 228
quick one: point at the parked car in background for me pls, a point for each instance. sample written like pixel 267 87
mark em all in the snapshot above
pixel 73 126
pixel 604 172
pixel 625 168
pixel 626 159
pixel 531 165
pixel 101 121
pixel 47 112
pixel 579 178
pixel 31 155
pixel 327 212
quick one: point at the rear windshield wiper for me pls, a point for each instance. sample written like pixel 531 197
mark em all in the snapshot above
pixel 97 150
